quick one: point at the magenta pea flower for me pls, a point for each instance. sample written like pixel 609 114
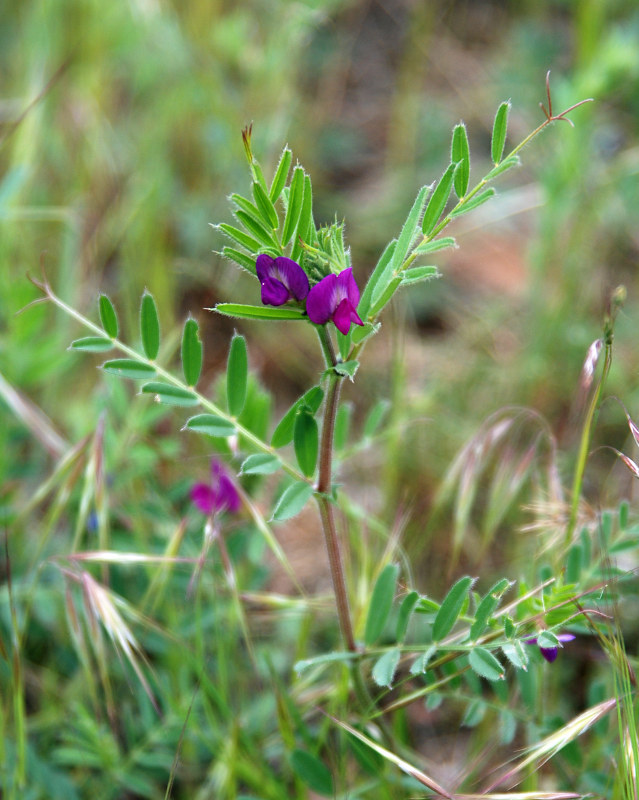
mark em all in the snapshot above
pixel 550 653
pixel 219 494
pixel 281 279
pixel 335 298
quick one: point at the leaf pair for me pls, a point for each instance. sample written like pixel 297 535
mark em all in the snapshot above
pixel 141 369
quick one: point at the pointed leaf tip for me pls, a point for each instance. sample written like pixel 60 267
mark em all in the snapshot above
pixel 438 200
pixel 460 155
pixel 385 667
pixel 292 501
pixel 500 126
pixel 485 664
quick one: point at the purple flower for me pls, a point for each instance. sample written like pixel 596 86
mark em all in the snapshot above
pixel 335 298
pixel 282 279
pixel 550 653
pixel 218 495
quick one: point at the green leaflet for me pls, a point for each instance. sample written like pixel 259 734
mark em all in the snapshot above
pixel 376 276
pixel 281 174
pixel 306 441
pixel 420 664
pixel 381 280
pixel 346 368
pixel 236 375
pixel 211 425
pixel 191 352
pixel 149 326
pixel 419 274
pixel 460 155
pixel 241 259
pixel 405 612
pixel 487 607
pixel 435 244
pixel 438 200
pixel 92 344
pixel 451 608
pixel 260 464
pixel 292 501
pixel 295 197
pixel 384 668
pixel 500 126
pixel 313 772
pixel 248 242
pixel 257 312
pixel 283 433
pixel 256 228
pixel 474 202
pixel 170 395
pixel 268 214
pixel 129 368
pixel 507 163
pixel 485 664
pixel 380 603
pixel 108 317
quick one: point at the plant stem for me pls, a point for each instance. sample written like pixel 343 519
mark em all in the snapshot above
pixel 327 515
pixel 584 444
pixel 327 512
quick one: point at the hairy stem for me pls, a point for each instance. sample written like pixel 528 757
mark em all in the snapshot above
pixel 327 512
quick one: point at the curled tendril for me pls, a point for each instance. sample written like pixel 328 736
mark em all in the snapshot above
pixel 550 117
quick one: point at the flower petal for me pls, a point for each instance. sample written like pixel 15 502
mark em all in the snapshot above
pixel 282 279
pixel 549 653
pixel 348 287
pixel 274 293
pixel 321 299
pixel 227 496
pixel 292 276
pixel 345 314
pixel 264 266
pixel 204 498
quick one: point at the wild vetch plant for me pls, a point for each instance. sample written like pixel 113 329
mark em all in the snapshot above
pixel 341 721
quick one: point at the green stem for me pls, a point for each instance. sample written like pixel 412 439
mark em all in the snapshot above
pixel 584 444
pixel 323 496
pixel 327 514
pixel 473 193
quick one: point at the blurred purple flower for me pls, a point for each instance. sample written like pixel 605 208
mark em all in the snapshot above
pixel 335 298
pixel 218 495
pixel 550 653
pixel 282 279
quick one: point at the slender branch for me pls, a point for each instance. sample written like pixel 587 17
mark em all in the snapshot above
pixel 327 512
pixel 584 444
pixel 248 435
pixel 550 117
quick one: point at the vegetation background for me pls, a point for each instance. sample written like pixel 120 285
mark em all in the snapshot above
pixel 120 142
